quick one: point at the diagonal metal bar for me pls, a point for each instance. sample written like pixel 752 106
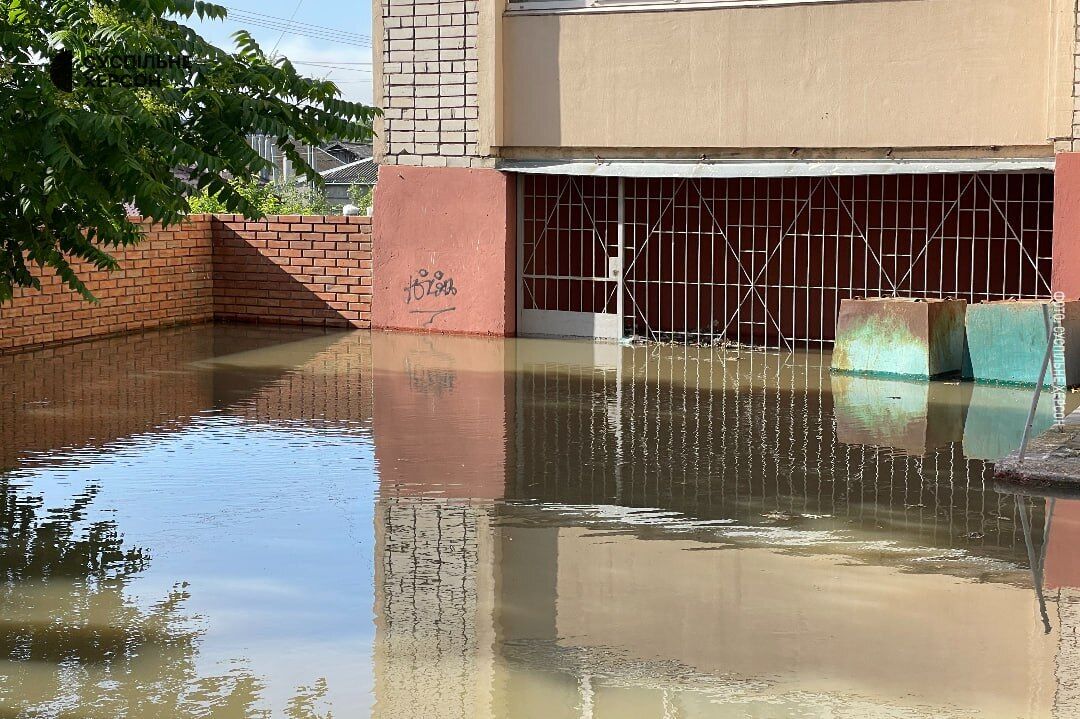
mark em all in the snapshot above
pixel 547 222
pixel 862 234
pixel 933 235
pixel 791 226
pixel 764 266
pixel 592 221
pixel 1015 234
pixel 742 269
pixel 655 226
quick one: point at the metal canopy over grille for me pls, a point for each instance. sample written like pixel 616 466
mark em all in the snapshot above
pixel 766 261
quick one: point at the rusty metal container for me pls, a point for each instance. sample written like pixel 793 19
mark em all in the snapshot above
pixel 900 336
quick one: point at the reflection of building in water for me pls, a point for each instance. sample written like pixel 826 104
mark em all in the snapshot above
pixel 748 436
pixel 434 582
pixel 635 614
pixel 440 430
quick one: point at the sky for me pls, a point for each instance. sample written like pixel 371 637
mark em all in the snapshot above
pixel 332 38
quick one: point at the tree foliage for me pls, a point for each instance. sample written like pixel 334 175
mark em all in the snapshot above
pixel 269 198
pixel 70 161
pixel 362 196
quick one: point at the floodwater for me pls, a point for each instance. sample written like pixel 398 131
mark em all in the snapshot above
pixel 238 521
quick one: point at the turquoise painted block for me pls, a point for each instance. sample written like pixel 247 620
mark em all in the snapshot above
pixel 1007 342
pixel 996 418
pixel 900 336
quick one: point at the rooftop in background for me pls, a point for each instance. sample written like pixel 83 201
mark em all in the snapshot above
pixel 347 151
pixel 360 172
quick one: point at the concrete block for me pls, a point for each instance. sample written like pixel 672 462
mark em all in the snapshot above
pixel 996 418
pixel 910 415
pixel 1007 341
pixel 900 336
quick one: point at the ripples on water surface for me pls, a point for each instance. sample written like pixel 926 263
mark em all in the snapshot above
pixel 245 522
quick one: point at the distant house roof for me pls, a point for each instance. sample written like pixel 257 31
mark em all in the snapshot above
pixel 356 149
pixel 361 172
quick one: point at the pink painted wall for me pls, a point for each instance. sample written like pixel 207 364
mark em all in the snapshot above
pixel 443 414
pixel 444 258
pixel 1062 558
pixel 1065 276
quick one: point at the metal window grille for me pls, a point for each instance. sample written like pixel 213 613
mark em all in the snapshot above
pixel 570 229
pixel 766 262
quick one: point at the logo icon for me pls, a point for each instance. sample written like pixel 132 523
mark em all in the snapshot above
pixel 61 70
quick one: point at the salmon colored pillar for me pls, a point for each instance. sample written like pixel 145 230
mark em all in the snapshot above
pixel 1062 559
pixel 443 413
pixel 1065 276
pixel 443 250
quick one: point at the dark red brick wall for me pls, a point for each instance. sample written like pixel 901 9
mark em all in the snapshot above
pixel 89 394
pixel 289 269
pixel 312 270
pixel 65 397
pixel 166 279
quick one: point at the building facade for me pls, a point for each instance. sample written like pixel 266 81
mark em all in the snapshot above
pixel 721 170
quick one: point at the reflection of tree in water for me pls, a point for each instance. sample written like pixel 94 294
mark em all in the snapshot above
pixel 72 643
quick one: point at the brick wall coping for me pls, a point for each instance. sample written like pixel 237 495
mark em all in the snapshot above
pixel 340 219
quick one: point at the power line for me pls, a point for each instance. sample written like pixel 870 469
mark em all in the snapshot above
pixel 291 18
pixel 324 37
pixel 295 27
pixel 299 24
pixel 335 62
pixel 332 66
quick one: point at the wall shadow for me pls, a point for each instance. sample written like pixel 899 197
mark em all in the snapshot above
pixel 271 273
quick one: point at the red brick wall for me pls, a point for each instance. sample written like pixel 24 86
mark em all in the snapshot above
pixel 164 280
pixel 290 269
pixel 89 394
pixel 93 393
pixel 295 270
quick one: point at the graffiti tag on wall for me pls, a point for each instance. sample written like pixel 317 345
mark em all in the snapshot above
pixel 425 285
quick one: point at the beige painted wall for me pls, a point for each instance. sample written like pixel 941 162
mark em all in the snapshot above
pixel 884 73
pixel 896 638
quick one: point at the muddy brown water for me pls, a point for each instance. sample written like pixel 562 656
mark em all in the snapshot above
pixel 238 521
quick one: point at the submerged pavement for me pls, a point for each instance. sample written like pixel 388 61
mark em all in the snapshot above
pixel 1052 459
pixel 236 521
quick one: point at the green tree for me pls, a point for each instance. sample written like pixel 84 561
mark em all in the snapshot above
pixel 71 161
pixel 362 197
pixel 269 198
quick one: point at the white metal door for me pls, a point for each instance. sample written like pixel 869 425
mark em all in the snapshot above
pixel 569 256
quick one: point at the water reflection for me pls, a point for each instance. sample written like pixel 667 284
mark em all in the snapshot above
pixel 1055 578
pixel 913 416
pixel 413 525
pixel 73 642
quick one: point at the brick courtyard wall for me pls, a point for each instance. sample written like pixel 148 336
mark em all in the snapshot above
pixel 89 394
pixel 311 270
pixel 164 280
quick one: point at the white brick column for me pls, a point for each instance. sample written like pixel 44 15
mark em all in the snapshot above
pixel 428 83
